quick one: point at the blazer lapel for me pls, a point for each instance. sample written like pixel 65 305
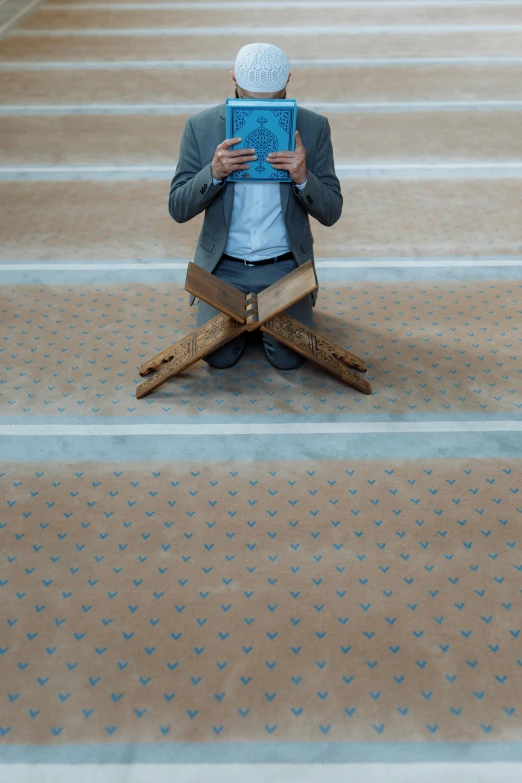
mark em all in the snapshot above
pixel 284 190
pixel 228 203
pixel 228 190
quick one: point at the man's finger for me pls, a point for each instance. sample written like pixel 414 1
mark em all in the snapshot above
pixel 239 153
pixel 230 142
pixel 298 142
pixel 237 161
pixel 281 159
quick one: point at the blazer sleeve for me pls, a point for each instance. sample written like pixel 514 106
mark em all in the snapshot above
pixel 192 187
pixel 321 196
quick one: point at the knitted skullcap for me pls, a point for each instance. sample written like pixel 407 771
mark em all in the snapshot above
pixel 261 67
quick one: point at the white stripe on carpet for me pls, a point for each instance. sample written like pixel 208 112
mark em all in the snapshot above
pixel 353 62
pixel 320 263
pixel 279 428
pixel 294 31
pixel 428 772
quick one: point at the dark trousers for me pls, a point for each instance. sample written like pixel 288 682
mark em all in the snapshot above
pixel 255 279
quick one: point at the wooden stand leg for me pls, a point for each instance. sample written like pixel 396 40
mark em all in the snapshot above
pixel 318 349
pixel 176 358
pixel 240 313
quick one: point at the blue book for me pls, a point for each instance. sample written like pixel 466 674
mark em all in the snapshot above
pixel 265 125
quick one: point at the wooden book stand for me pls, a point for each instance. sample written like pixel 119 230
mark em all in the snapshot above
pixel 240 313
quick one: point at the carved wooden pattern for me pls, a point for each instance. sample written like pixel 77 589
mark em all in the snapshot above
pixel 308 343
pixel 190 349
pixel 235 308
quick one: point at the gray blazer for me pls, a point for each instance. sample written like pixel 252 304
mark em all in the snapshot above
pixel 193 191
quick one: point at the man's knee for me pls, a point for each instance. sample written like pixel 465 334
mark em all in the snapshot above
pixel 227 355
pixel 283 358
pixel 221 362
pixel 287 363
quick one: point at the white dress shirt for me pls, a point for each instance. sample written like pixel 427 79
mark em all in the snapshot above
pixel 257 228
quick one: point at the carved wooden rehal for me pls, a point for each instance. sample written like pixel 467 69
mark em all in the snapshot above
pixel 240 313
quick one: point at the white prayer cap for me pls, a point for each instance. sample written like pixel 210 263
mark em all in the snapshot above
pixel 261 67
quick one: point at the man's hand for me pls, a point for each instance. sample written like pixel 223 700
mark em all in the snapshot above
pixel 293 162
pixel 225 160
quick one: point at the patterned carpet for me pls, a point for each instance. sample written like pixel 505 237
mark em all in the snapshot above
pixel 254 566
pixel 434 348
pixel 208 601
pixel 60 221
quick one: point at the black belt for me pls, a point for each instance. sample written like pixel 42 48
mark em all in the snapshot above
pixel 274 260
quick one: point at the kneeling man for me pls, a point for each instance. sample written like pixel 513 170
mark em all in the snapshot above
pixel 254 234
